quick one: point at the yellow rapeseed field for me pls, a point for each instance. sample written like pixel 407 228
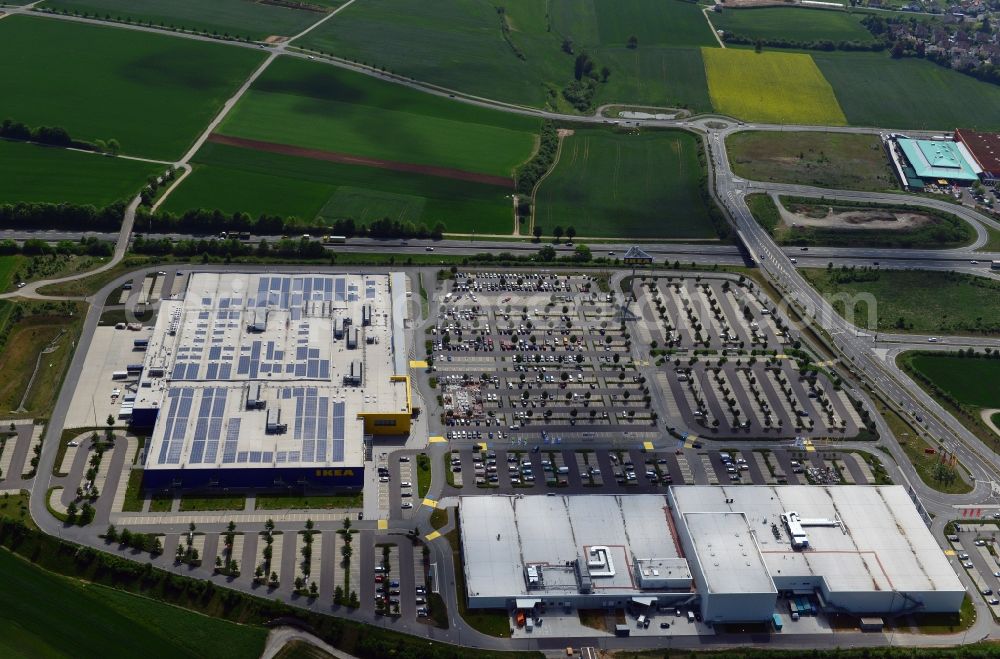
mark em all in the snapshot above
pixel 770 87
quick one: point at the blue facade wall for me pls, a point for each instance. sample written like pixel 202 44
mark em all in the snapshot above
pixel 144 417
pixel 333 478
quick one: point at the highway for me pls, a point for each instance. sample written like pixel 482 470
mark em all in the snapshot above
pixel 865 358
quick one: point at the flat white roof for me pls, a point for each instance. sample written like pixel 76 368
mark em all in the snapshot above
pixel 503 534
pixel 286 340
pixel 728 554
pixel 881 543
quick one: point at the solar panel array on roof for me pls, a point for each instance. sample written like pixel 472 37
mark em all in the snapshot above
pixel 207 429
pixel 207 414
pixel 178 410
pixel 337 441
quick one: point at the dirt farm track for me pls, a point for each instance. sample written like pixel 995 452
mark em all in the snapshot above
pixel 331 156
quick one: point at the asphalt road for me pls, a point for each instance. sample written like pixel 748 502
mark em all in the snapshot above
pixel 855 349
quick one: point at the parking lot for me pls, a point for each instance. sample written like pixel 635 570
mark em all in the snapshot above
pixel 516 354
pixel 974 548
pixel 517 357
pixel 726 362
pixel 547 468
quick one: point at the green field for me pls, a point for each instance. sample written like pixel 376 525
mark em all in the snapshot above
pixel 634 185
pixel 875 90
pixel 829 160
pixel 36 173
pixel 320 107
pixel 461 44
pixel 659 76
pixel 254 20
pixel 770 87
pixel 961 377
pixel 455 43
pixel 652 22
pixel 915 300
pixel 793 24
pixel 233 179
pixel 96 621
pixel 152 93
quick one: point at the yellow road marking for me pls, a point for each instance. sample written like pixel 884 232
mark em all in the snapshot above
pixel 433 535
pixel 383 524
pixel 436 439
pixel 431 502
pixel 648 446
pixel 418 363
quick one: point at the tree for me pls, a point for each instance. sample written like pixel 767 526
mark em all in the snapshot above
pixel 758 46
pixel 71 512
pixel 338 595
pixel 567 46
pixel 537 232
pixel 557 233
pixel 633 42
pixel 571 232
pixel 547 253
pixel 353 600
pixel 111 534
pixel 605 73
pixel 114 148
pixel 110 420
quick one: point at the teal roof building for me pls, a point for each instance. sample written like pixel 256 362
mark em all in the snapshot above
pixel 938 159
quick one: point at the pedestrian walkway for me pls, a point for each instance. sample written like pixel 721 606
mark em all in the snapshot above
pixel 136 519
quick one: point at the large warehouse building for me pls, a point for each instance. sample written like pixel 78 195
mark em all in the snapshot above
pixel 273 380
pixel 936 161
pixel 854 549
pixel 735 552
pixel 586 551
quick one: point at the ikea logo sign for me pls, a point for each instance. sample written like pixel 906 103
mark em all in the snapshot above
pixel 334 473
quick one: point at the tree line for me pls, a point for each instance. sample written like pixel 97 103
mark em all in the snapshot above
pixel 813 44
pixel 76 217
pixel 527 175
pixel 54 136
pixel 88 246
pixel 207 221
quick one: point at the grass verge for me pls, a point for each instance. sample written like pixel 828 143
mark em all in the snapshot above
pixel 915 448
pixel 304 502
pixel 213 502
pixel 15 507
pixel 423 475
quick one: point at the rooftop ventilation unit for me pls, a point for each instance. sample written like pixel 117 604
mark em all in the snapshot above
pixel 796 527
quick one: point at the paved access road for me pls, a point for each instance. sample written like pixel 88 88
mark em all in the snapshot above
pixel 857 351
